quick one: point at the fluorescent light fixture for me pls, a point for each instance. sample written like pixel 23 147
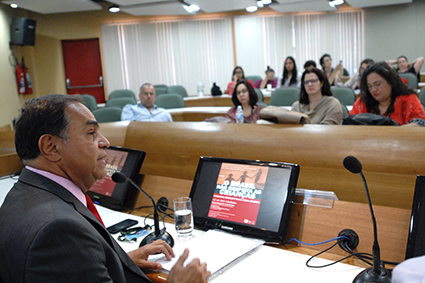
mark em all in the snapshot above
pixel 114 8
pixel 251 9
pixel 192 8
pixel 336 3
pixel 14 6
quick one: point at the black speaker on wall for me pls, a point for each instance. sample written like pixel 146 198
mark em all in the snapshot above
pixel 22 32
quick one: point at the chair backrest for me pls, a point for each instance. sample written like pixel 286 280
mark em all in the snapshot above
pixel 254 79
pixel 284 96
pixel 121 93
pixel 260 98
pixel 259 94
pixel 344 94
pixel 120 102
pixel 177 89
pixel 412 80
pixel 422 95
pixel 107 114
pixel 89 101
pixel 160 89
pixel 344 109
pixel 169 101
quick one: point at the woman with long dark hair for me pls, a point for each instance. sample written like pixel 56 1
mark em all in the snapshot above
pixel 246 96
pixel 384 93
pixel 290 75
pixel 237 75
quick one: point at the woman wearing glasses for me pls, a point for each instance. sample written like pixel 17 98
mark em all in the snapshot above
pixel 246 96
pixel 237 75
pixel 316 99
pixel 384 93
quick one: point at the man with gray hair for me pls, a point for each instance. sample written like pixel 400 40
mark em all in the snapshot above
pixel 146 110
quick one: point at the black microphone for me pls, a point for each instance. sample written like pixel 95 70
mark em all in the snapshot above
pixel 377 273
pixel 158 234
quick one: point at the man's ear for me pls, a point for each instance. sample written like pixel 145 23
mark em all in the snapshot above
pixel 48 147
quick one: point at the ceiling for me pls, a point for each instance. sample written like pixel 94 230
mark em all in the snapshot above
pixel 175 7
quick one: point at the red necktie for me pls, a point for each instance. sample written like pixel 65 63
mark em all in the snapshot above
pixel 92 208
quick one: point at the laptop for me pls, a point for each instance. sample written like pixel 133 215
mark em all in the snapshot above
pixel 416 239
pixel 246 197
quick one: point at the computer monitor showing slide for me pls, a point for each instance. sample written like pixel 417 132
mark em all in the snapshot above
pixel 247 197
pixel 118 196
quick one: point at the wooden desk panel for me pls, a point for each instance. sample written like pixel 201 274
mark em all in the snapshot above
pixel 9 160
pixel 224 100
pixel 390 155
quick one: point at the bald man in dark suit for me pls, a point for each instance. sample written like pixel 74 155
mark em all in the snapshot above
pixel 47 232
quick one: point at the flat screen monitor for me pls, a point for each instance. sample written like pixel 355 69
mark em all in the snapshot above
pixel 118 196
pixel 416 239
pixel 246 197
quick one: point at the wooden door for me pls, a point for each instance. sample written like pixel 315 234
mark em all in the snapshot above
pixel 83 68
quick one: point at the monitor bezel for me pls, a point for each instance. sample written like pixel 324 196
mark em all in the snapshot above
pixel 417 220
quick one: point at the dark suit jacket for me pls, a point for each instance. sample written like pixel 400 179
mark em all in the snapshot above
pixel 48 235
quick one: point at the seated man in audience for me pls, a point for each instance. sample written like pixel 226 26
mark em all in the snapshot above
pixel 404 66
pixel 50 230
pixel 146 110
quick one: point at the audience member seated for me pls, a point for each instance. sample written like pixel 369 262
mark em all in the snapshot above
pixel 290 75
pixel 309 64
pixel 404 66
pixel 269 79
pixel 50 229
pixel 334 75
pixel 237 75
pixel 246 96
pixel 316 99
pixel 384 93
pixel 146 110
pixel 354 81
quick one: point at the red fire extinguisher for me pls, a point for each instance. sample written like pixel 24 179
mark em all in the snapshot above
pixel 23 78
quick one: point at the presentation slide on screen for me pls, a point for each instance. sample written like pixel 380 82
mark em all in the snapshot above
pixel 238 193
pixel 114 162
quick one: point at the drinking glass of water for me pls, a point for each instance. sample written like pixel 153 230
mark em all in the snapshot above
pixel 183 216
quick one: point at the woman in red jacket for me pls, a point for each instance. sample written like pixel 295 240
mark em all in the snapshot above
pixel 384 93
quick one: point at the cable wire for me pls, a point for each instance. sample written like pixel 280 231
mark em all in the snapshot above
pixel 320 243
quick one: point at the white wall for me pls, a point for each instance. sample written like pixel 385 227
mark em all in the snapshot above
pixel 9 100
pixel 395 30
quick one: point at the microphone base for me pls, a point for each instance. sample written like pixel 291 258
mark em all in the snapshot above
pixel 368 275
pixel 163 235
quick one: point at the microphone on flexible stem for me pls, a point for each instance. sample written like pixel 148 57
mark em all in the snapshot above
pixel 377 273
pixel 158 234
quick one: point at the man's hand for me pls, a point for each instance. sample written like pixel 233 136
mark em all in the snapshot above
pixel 140 256
pixel 194 272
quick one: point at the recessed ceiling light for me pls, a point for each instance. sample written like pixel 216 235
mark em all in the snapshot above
pixel 251 9
pixel 336 3
pixel 192 8
pixel 114 8
pixel 14 6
